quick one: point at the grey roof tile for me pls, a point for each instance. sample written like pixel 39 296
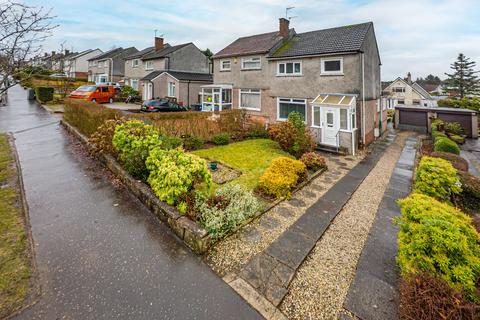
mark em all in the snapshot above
pixel 181 75
pixel 164 52
pixel 260 43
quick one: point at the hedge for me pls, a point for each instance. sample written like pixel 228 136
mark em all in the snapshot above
pixel 469 198
pixel 457 162
pixel 446 145
pixel 437 178
pixel 44 94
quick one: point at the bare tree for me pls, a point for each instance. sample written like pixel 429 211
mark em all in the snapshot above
pixel 23 28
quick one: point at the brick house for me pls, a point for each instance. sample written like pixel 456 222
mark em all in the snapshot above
pixel 331 77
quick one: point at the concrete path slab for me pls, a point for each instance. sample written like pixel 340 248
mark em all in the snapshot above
pixel 100 253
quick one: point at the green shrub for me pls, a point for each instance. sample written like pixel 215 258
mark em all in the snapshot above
pixel 469 199
pixel 44 94
pixel 437 178
pixel 292 136
pixel 446 145
pixel 454 128
pixel 101 140
pixel 221 139
pixel 192 143
pixel 465 103
pixel 438 238
pixel 133 140
pixel 437 135
pixel 174 173
pixel 129 91
pixel 313 161
pixel 457 139
pixel 169 142
pixel 226 210
pixel 457 162
pixel 436 123
pixel 257 130
pixel 281 176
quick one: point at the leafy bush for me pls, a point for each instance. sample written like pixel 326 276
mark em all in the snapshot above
pixel 281 176
pixel 436 123
pixel 465 103
pixel 457 139
pixel 425 297
pixel 313 161
pixel 454 128
pixel 169 142
pixel 436 178
pixel 437 135
pixel 222 213
pixel 101 140
pixel 292 136
pixel 87 116
pixel 192 143
pixel 437 238
pixel 44 94
pixel 129 91
pixel 221 139
pixel 469 198
pixel 446 145
pixel 457 162
pixel 134 140
pixel 257 130
pixel 174 172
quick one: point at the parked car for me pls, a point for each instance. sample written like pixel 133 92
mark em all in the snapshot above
pixel 161 105
pixel 196 107
pixel 94 93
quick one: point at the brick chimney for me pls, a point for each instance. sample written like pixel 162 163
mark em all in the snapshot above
pixel 67 51
pixel 284 27
pixel 158 43
pixel 409 78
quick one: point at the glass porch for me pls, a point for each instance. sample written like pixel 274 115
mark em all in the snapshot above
pixel 217 97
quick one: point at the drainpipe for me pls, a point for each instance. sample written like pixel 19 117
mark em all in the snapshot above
pixel 111 70
pixel 188 92
pixel 363 99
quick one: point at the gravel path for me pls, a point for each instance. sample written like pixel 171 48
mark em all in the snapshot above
pixel 231 254
pixel 321 284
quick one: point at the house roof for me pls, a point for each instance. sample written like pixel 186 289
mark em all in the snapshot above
pixel 259 43
pixel 415 86
pixel 386 84
pixel 334 40
pixel 429 87
pixel 180 75
pixel 164 52
pixel 140 53
pixel 111 53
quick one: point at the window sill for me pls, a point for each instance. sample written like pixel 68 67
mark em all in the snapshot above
pixel 227 70
pixel 258 69
pixel 332 74
pixel 251 109
pixel 290 75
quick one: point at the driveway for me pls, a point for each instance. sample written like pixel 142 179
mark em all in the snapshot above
pixel 100 253
pixel 471 151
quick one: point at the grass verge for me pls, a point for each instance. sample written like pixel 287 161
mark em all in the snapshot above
pixel 251 157
pixel 15 269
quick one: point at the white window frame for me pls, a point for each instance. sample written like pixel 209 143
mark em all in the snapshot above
pixel 249 91
pixel 132 81
pixel 222 68
pixel 171 89
pixel 285 74
pixel 291 100
pixel 331 73
pixel 135 65
pixel 250 59
pixel 149 65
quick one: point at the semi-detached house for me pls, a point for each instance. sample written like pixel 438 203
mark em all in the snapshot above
pixel 109 66
pixel 331 77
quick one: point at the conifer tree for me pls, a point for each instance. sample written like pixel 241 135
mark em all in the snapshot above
pixel 464 79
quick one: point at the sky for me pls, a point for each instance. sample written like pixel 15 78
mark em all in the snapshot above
pixel 417 36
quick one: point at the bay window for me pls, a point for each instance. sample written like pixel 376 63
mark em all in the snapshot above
pixel 250 99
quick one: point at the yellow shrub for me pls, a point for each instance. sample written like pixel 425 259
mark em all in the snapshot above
pixel 281 176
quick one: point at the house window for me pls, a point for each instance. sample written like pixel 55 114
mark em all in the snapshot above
pixel 250 99
pixel 354 121
pixel 286 105
pixel 251 63
pixel 401 101
pixel 225 65
pixel 316 116
pixel 135 63
pixel 416 102
pixel 289 68
pixel 332 66
pixel 344 119
pixel 134 84
pixel 149 65
pixel 171 89
pixel 399 89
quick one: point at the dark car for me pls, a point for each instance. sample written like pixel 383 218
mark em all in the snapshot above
pixel 161 105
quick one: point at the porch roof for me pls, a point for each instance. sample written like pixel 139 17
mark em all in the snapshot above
pixel 218 86
pixel 338 99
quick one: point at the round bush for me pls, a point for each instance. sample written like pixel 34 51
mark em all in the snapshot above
pixel 313 161
pixel 221 139
pixel 446 145
pixel 469 198
pixel 281 176
pixel 457 162
pixel 457 139
pixel 454 128
pixel 436 178
pixel 101 140
pixel 192 143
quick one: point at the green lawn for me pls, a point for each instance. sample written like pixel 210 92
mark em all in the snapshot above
pixel 14 261
pixel 251 157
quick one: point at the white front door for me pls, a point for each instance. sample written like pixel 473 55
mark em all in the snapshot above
pixel 331 125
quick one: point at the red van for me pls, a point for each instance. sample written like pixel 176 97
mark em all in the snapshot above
pixel 91 92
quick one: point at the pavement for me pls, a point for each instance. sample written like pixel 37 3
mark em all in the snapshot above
pixel 100 253
pixel 470 150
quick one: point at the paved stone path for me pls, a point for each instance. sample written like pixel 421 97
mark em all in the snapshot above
pixel 374 292
pixel 100 253
pixel 471 152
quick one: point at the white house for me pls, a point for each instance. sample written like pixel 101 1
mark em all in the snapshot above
pixel 76 65
pixel 406 92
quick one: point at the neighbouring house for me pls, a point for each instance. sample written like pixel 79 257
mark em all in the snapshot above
pixel 75 65
pixel 433 89
pixel 109 66
pixel 163 70
pixel 405 92
pixel 330 76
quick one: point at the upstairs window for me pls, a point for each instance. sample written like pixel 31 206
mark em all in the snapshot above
pixel 225 65
pixel 149 65
pixel 399 89
pixel 135 63
pixel 289 68
pixel 332 66
pixel 251 63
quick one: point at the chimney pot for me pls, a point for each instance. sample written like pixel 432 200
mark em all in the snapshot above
pixel 409 78
pixel 53 53
pixel 158 43
pixel 67 51
pixel 284 27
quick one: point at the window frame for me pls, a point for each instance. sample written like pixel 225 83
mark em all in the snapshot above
pixel 170 85
pixel 291 101
pixel 293 74
pixel 250 60
pixel 249 91
pixel 134 81
pixel 225 69
pixel 331 73
pixel 137 64
pixel 148 65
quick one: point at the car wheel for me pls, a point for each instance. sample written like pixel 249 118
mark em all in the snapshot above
pixel 110 100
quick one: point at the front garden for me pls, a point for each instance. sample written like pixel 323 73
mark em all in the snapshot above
pixel 439 242
pixel 218 171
